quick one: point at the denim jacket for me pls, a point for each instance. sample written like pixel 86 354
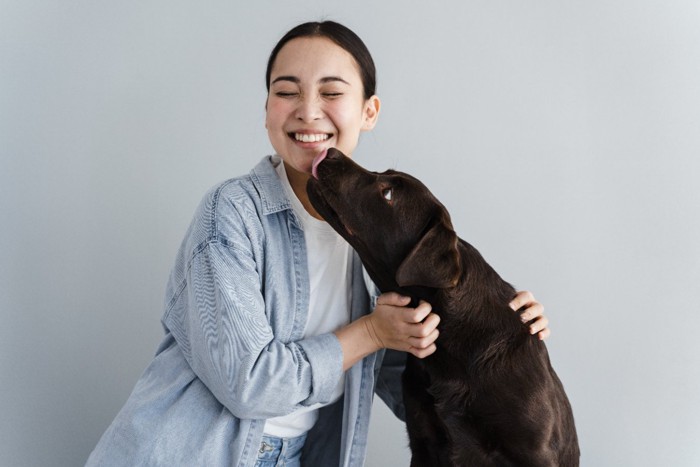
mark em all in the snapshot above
pixel 233 354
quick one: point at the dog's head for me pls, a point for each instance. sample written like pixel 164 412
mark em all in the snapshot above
pixel 402 233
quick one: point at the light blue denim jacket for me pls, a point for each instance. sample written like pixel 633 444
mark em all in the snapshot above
pixel 233 354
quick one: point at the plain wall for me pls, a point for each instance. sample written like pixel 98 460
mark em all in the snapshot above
pixel 563 136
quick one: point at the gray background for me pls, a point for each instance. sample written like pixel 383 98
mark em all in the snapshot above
pixel 562 135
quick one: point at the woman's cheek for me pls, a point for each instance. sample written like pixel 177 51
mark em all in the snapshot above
pixel 276 110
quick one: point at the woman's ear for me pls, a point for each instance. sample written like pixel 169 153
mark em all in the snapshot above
pixel 371 113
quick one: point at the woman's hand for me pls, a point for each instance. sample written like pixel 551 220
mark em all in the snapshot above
pixel 532 313
pixel 394 325
pixel 391 325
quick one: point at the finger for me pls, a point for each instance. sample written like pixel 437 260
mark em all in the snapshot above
pixel 393 298
pixel 522 298
pixel 535 310
pixel 422 353
pixel 539 325
pixel 418 314
pixel 543 334
pixel 426 327
pixel 424 342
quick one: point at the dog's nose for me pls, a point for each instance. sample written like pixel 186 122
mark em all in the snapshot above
pixel 334 153
pixel 329 154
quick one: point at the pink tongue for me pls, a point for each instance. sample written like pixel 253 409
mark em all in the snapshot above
pixel 317 160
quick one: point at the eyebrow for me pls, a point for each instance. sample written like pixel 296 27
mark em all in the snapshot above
pixel 296 80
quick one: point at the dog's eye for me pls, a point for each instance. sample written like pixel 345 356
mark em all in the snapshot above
pixel 387 193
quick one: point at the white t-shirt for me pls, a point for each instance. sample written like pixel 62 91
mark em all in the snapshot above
pixel 329 259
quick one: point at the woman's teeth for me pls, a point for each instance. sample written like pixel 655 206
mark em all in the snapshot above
pixel 306 138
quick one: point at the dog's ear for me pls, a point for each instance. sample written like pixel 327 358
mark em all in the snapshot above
pixel 434 261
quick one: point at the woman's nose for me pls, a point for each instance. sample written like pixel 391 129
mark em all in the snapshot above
pixel 309 109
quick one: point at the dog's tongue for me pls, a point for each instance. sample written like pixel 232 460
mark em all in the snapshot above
pixel 317 160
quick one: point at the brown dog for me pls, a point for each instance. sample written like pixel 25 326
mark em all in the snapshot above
pixel 488 396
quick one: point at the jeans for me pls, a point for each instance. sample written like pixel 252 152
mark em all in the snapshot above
pixel 280 452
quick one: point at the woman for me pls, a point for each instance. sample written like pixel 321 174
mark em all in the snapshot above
pixel 273 345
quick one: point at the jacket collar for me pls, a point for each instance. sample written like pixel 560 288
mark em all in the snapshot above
pixel 267 182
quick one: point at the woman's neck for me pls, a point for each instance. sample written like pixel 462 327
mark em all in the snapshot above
pixel 298 182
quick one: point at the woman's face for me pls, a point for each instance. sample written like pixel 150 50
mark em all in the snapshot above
pixel 316 101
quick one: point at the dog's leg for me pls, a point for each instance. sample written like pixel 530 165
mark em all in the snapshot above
pixel 466 447
pixel 427 437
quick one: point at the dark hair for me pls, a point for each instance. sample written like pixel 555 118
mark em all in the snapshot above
pixel 342 36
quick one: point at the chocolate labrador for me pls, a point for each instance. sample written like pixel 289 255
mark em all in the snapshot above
pixel 488 396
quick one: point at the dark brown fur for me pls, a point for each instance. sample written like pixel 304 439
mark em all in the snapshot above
pixel 488 396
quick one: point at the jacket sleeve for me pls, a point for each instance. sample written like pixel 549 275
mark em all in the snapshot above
pixel 217 317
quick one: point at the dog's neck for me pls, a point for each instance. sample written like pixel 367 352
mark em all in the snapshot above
pixel 416 292
pixel 478 306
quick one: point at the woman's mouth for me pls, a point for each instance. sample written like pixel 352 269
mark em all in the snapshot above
pixel 310 137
